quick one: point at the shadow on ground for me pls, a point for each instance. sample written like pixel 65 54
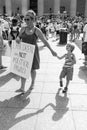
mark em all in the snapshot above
pixel 9 110
pixel 61 106
pixel 7 77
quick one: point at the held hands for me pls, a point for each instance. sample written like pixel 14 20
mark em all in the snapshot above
pixel 18 40
pixel 58 57
pixel 53 53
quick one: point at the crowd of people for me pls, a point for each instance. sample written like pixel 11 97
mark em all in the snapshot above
pixel 53 25
pixel 29 28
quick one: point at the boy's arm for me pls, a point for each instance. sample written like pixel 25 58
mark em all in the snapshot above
pixel 61 57
pixel 74 59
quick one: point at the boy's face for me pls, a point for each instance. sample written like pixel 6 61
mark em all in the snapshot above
pixel 68 47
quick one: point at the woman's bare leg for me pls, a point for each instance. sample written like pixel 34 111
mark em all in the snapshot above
pixel 33 76
pixel 22 88
pixel 23 81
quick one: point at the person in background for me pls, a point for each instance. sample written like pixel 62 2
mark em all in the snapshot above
pixel 1 48
pixel 85 41
pixel 67 70
pixel 29 35
pixel 13 31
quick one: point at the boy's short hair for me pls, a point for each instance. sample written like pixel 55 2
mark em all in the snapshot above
pixel 71 46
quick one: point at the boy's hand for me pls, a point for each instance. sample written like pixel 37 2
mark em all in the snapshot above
pixel 53 53
pixel 58 57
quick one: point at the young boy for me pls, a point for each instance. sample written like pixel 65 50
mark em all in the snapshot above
pixel 67 70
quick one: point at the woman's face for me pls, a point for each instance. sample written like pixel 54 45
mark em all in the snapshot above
pixel 28 20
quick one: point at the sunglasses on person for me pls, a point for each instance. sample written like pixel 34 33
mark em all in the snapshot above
pixel 26 19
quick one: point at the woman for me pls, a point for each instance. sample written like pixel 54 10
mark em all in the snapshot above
pixel 29 34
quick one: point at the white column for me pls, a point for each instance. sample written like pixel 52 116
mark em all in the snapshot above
pixel 86 8
pixel 8 7
pixel 73 7
pixel 40 7
pixel 56 6
pixel 24 6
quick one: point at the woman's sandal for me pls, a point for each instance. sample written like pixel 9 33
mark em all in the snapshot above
pixel 20 91
pixel 3 67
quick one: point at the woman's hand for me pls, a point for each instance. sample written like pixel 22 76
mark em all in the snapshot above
pixel 58 57
pixel 18 40
pixel 53 53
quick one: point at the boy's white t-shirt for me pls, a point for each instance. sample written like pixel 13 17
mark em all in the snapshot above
pixel 85 30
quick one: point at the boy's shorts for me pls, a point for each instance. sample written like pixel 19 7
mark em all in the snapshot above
pixel 68 72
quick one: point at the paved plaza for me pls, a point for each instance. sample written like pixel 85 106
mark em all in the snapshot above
pixel 45 107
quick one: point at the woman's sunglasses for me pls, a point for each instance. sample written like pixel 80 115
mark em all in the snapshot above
pixel 27 19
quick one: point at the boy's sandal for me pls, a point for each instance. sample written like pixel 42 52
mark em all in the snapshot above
pixel 65 90
pixel 20 91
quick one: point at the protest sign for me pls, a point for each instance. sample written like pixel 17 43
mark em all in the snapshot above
pixel 22 58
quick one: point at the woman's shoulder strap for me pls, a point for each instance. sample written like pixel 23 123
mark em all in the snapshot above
pixel 35 31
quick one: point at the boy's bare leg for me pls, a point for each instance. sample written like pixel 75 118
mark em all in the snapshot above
pixel 23 81
pixel 66 87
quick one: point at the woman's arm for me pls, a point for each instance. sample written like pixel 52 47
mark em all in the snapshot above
pixel 84 35
pixel 18 39
pixel 84 31
pixel 43 39
pixel 1 43
pixel 61 57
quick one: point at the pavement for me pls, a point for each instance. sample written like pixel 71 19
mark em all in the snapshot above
pixel 45 107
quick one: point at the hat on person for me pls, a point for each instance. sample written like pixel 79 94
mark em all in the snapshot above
pixel 31 13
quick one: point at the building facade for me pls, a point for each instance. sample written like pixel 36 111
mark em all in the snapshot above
pixel 11 7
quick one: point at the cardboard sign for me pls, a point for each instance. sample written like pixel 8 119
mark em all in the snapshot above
pixel 22 58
